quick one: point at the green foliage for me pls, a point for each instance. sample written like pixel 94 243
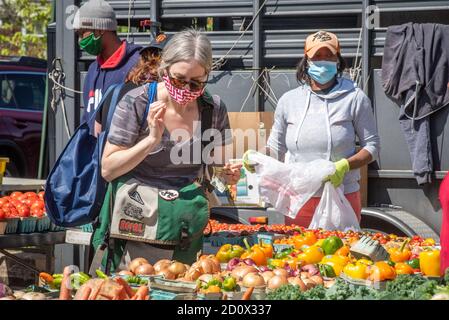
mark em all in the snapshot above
pixel 23 27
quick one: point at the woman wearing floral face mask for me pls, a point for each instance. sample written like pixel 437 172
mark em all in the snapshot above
pixel 154 151
pixel 322 118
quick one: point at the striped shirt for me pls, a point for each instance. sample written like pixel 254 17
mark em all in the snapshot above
pixel 160 168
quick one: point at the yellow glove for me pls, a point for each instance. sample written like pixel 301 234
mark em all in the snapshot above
pixel 341 168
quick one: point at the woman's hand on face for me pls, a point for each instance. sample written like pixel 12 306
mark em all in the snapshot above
pixel 231 173
pixel 155 120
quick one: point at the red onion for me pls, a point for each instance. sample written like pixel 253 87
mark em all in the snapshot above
pixel 264 269
pixel 311 269
pixel 249 262
pixel 289 270
pixel 232 264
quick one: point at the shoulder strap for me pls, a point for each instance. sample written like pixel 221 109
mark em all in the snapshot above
pixel 206 118
pixel 152 90
pixel 113 105
pixel 102 101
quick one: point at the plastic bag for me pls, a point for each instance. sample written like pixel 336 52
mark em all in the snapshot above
pixel 288 186
pixel 334 212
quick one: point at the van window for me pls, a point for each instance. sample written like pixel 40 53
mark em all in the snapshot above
pixel 22 91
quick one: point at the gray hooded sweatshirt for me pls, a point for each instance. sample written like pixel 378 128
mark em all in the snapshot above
pixel 311 125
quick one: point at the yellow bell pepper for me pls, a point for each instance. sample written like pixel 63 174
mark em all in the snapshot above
pixel 319 242
pixel 276 263
pixel 338 268
pixel 428 242
pixel 429 262
pixel 356 271
pixel 336 262
pixel 365 262
pixel 312 254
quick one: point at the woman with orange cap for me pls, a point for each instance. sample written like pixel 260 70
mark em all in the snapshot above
pixel 322 118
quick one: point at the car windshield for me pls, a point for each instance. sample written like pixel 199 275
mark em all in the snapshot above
pixel 23 91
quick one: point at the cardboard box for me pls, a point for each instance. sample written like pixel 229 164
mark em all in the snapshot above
pixel 250 131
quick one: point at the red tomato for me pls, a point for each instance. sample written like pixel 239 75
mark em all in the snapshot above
pixel 36 212
pixel 22 198
pixel 24 211
pixel 2 214
pixel 3 201
pixel 31 194
pixel 41 195
pixel 29 201
pixel 16 202
pixel 16 194
pixel 14 213
pixel 39 204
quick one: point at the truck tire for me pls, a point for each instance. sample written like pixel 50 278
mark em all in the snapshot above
pixel 397 221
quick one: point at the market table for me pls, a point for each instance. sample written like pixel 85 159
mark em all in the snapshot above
pixel 45 240
pixel 21 184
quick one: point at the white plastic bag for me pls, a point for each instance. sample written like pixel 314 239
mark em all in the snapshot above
pixel 288 186
pixel 334 212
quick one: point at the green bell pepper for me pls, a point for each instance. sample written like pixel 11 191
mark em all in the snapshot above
pixel 101 274
pixel 391 263
pixel 214 282
pixel 228 252
pixel 327 271
pixel 283 253
pixel 414 263
pixel 229 284
pixel 331 245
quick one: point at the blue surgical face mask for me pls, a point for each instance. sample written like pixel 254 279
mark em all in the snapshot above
pixel 322 71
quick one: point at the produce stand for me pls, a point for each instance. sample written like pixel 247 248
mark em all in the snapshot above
pixel 44 240
pixel 21 184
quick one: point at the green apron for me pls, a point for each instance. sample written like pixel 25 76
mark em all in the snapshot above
pixel 192 199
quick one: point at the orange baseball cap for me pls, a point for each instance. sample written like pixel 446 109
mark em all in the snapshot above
pixel 321 39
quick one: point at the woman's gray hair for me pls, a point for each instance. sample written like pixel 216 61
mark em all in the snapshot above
pixel 186 45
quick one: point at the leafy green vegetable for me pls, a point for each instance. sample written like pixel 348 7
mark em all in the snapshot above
pixel 286 292
pixel 409 287
pixel 316 293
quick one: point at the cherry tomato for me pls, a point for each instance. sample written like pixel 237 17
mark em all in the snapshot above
pixel 41 195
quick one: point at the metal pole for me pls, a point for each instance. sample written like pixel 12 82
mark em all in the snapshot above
pixel 154 16
pixel 257 56
pixel 366 50
pixel 67 50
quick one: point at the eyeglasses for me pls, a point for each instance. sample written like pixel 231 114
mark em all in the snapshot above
pixel 194 85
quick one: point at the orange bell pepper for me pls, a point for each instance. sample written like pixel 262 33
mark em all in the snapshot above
pixel 343 251
pixel 381 271
pixel 307 238
pixel 400 254
pixel 267 249
pixel 254 253
pixel 403 268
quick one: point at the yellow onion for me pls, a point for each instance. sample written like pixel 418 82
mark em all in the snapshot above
pixel 240 272
pixel 135 263
pixel 166 273
pixel 161 264
pixel 276 282
pixel 253 280
pixel 177 268
pixel 267 275
pixel 296 281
